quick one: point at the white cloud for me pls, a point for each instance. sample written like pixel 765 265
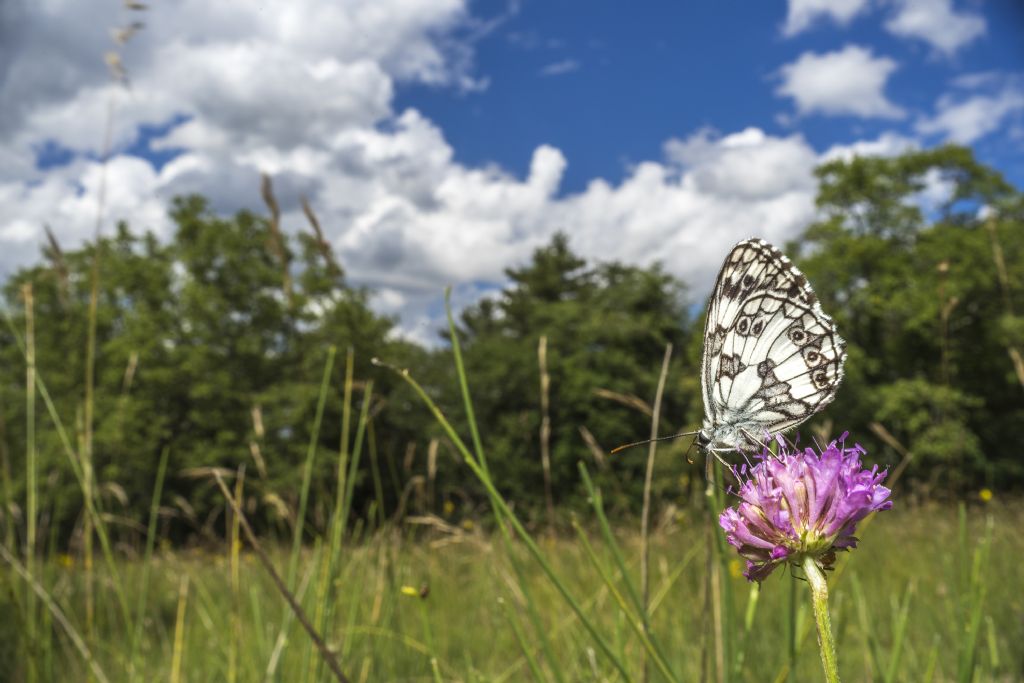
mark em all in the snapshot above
pixel 885 145
pixel 967 119
pixel 850 81
pixel 936 23
pixel 305 91
pixel 803 13
pixel 566 66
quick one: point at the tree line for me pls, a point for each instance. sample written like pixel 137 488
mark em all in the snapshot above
pixel 212 345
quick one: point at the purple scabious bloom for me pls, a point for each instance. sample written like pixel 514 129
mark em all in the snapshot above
pixel 799 504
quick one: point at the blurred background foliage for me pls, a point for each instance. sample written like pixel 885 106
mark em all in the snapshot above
pixel 213 344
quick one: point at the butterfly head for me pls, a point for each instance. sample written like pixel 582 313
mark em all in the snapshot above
pixel 733 435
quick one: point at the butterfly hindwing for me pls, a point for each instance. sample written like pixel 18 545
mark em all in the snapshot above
pixel 772 358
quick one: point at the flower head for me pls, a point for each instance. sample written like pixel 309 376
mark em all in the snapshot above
pixel 799 504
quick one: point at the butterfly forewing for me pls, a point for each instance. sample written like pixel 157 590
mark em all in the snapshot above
pixel 772 358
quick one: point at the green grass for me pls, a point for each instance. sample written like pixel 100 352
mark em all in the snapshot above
pixel 910 563
pixel 933 594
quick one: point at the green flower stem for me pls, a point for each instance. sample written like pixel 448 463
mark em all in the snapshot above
pixel 819 598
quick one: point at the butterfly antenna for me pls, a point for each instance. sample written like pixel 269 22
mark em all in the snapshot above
pixel 623 447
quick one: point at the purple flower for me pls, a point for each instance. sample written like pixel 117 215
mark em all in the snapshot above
pixel 800 504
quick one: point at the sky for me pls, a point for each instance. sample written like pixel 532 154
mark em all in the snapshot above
pixel 442 141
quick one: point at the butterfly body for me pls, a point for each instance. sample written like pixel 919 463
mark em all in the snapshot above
pixel 772 357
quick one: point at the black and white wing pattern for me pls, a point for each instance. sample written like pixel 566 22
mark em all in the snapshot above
pixel 772 357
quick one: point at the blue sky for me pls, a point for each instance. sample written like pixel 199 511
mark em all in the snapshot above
pixel 441 141
pixel 633 76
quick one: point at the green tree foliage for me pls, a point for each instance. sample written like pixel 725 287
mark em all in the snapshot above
pixel 212 343
pixel 606 328
pixel 200 348
pixel 927 296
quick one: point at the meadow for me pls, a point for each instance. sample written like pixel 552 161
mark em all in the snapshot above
pixel 465 596
pixel 929 593
pixel 215 491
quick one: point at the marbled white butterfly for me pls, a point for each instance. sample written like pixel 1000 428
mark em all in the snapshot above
pixel 772 357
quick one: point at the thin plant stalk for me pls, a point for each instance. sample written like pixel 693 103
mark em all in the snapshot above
pixel 179 631
pixel 10 533
pixel 545 427
pixel 300 614
pixel 353 466
pixel 632 619
pixel 147 558
pixel 348 465
pixel 597 503
pixel 31 485
pixel 87 424
pixel 428 636
pixel 57 613
pixel 646 512
pixel 531 608
pixel 307 470
pixel 609 538
pixel 753 599
pixel 460 371
pixel 320 560
pixel 720 587
pixel 819 600
pixel 499 502
pixel 236 584
pixel 337 525
pixel 378 482
pixel 76 468
pixel 517 630
pixel 792 642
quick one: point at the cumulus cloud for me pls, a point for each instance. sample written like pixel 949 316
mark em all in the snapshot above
pixel 887 144
pixel 304 90
pixel 801 14
pixel 936 23
pixel 850 82
pixel 965 119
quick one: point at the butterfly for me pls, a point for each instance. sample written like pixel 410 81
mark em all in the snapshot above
pixel 772 358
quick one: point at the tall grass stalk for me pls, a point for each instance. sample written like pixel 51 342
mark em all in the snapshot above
pixel 87 421
pixel 642 614
pixel 517 630
pixel 545 428
pixel 31 486
pixel 501 505
pixel 973 590
pixel 73 635
pixel 300 614
pixel 337 524
pixel 307 469
pixel 147 562
pixel 179 631
pixel 531 608
pixel 721 587
pixel 635 620
pixel 645 514
pixel 235 640
pixel 91 508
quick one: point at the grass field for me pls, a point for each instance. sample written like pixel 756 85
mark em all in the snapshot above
pixel 903 607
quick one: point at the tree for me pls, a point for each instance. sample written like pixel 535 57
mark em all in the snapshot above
pixel 606 327
pixel 916 292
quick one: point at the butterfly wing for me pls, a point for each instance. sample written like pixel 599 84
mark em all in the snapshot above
pixel 772 357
